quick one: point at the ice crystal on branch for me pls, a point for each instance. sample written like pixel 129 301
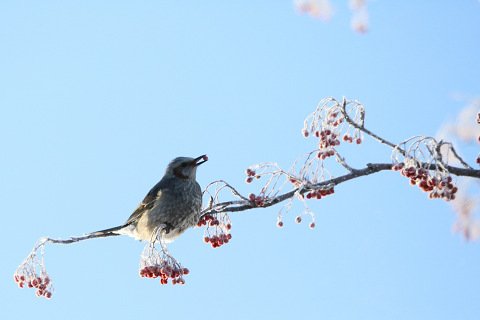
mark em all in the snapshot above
pixel 32 273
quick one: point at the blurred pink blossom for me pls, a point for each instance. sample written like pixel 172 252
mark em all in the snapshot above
pixel 359 20
pixel 323 10
pixel 467 204
pixel 467 223
pixel 464 128
pixel 320 9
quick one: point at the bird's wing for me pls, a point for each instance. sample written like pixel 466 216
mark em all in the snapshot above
pixel 148 201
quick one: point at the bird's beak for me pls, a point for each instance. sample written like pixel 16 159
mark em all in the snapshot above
pixel 202 159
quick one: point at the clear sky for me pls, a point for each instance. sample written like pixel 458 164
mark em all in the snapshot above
pixel 98 96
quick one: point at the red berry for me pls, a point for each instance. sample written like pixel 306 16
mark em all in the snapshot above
pixel 298 219
pixel 249 180
pixel 312 225
pixel 280 223
pixel 358 141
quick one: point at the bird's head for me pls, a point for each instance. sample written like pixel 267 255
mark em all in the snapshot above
pixel 185 167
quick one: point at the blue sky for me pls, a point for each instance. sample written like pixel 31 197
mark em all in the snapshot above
pixel 98 97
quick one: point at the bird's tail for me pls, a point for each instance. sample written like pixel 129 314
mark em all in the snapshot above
pixel 110 232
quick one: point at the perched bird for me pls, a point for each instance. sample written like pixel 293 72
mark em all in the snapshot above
pixel 173 204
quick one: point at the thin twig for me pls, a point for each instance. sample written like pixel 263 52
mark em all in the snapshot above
pixel 455 154
pixel 365 130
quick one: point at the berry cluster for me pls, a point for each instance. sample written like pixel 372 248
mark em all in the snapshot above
pixel 333 117
pixel 218 229
pixel 208 220
pixel 298 219
pixel 250 175
pixel 165 271
pixel 348 138
pixel 328 140
pixel 32 273
pixel 439 186
pixel 319 193
pixel 160 264
pixel 40 282
pixel 258 201
pixel 325 124
pixel 218 240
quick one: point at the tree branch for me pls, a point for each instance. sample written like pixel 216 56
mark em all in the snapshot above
pixel 371 168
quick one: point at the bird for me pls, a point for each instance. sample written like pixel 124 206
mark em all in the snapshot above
pixel 169 208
